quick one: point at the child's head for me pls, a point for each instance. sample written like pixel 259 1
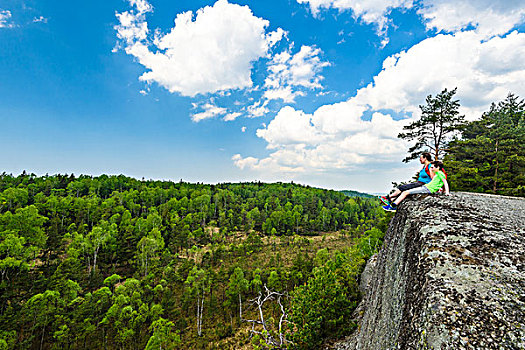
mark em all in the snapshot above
pixel 437 164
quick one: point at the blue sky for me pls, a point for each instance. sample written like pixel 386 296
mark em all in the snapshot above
pixel 313 91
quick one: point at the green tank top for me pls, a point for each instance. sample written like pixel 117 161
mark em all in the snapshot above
pixel 437 182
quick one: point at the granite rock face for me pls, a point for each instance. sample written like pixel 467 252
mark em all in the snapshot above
pixel 450 275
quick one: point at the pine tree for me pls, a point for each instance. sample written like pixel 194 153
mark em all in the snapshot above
pixel 490 156
pixel 438 123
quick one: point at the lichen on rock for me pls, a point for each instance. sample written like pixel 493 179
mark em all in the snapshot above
pixel 450 275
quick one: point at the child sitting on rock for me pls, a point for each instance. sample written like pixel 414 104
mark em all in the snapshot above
pixel 438 180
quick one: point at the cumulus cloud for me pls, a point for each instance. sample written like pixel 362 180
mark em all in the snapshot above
pixel 288 73
pixel 270 164
pixel 231 116
pixel 370 12
pixel 213 51
pixel 132 27
pixel 361 131
pixel 488 17
pixel 299 142
pixel 483 71
pixel 210 51
pixel 289 127
pixel 257 109
pixel 142 6
pixel 5 19
pixel 209 111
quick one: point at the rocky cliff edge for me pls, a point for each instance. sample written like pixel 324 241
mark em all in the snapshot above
pixel 450 275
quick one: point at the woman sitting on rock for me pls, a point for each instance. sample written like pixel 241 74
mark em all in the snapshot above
pixel 424 177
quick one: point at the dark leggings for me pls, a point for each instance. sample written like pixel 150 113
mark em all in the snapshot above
pixel 409 186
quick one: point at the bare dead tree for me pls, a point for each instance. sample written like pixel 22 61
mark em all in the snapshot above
pixel 200 308
pixel 266 334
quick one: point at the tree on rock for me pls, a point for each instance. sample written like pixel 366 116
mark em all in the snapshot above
pixel 439 122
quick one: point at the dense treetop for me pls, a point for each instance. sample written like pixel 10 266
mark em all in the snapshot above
pixel 120 263
pixel 489 155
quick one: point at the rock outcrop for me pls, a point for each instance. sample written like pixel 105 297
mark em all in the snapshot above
pixel 450 275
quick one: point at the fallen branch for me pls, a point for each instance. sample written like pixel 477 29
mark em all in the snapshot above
pixel 266 334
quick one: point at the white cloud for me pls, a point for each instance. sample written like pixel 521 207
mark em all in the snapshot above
pixel 289 127
pixel 244 162
pixel 489 17
pixel 142 6
pixel 210 111
pixel 231 116
pixel 289 72
pixel 483 71
pixel 370 12
pixel 269 165
pixel 339 136
pixel 133 27
pixel 304 142
pixel 243 129
pixel 213 51
pixel 276 36
pixel 285 93
pixel 40 19
pixel 257 109
pixel 210 51
pixel 5 19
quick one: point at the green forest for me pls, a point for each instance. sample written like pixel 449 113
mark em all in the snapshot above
pixel 488 156
pixel 112 262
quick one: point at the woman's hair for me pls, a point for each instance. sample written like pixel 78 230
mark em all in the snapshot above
pixel 438 164
pixel 427 156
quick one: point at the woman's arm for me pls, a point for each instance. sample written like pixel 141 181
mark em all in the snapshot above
pixel 445 183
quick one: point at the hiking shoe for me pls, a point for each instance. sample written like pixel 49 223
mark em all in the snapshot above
pixel 385 200
pixel 389 208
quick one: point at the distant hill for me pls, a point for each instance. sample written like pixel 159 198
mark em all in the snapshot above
pixel 351 193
